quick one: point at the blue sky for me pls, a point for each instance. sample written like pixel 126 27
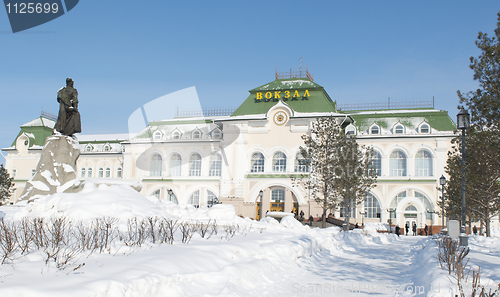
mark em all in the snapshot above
pixel 123 54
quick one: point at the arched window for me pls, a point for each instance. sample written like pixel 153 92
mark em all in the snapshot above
pixel 156 194
pixel 194 199
pixel 211 199
pixel 176 135
pixel 101 172
pixel 426 202
pixel 88 148
pixel 108 172
pixel 216 134
pixel 301 163
pixel 395 202
pixel 278 195
pixel 196 134
pixel 377 163
pixel 89 172
pixel 215 165
pixel 424 128
pixel 156 164
pixel 195 165
pixel 119 172
pixel 423 163
pixel 83 172
pixel 350 130
pixel 397 163
pixel 375 130
pixel 411 208
pixel 157 135
pixel 399 129
pixel 279 162
pixel 174 167
pixel 257 163
pixel 372 207
pixel 107 147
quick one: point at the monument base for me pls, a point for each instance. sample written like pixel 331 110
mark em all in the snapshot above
pixel 56 170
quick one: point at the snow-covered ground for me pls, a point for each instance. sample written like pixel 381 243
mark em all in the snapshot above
pixel 264 258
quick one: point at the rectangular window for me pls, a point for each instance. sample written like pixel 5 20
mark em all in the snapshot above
pixel 277 195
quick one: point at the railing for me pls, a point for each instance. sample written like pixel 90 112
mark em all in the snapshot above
pixel 294 74
pixel 218 111
pixel 387 105
pixel 48 115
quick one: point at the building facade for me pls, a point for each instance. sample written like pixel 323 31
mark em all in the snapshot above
pixel 201 160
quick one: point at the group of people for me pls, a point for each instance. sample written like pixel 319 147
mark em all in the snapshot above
pixel 413 229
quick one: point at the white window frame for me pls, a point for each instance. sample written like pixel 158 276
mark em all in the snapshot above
pixel 257 162
pixel 195 165
pixel 397 164
pixel 279 162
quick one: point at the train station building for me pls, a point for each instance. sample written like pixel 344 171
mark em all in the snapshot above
pixel 230 158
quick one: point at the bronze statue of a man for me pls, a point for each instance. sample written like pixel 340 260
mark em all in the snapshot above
pixel 68 120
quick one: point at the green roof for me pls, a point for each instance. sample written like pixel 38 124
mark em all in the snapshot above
pixel 300 94
pixel 437 119
pixel 37 133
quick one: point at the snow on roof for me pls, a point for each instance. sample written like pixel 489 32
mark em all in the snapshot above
pixel 393 111
pixel 103 137
pixel 40 122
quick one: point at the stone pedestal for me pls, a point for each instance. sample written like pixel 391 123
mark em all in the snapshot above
pixel 56 170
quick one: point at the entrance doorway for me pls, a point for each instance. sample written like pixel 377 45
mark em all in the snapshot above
pixel 410 221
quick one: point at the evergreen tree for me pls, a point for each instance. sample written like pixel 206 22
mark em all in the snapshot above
pixel 6 185
pixel 340 169
pixel 482 146
pixel 482 189
pixel 484 103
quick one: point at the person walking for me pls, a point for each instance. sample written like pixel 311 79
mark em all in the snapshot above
pixel 426 229
pixel 398 230
pixel 474 230
pixel 414 229
pixel 311 219
pixel 407 228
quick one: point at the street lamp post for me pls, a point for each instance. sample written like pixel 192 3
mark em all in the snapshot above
pixel 430 229
pixel 170 193
pixel 363 215
pixel 462 124
pixel 390 210
pixel 442 182
pixel 261 194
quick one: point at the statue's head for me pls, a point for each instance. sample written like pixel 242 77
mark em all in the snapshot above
pixel 69 82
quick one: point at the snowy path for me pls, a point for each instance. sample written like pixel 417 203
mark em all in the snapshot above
pixel 360 270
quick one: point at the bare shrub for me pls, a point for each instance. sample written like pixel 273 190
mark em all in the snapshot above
pixel 136 232
pixel 109 233
pixel 56 237
pixel 170 227
pixel 206 230
pixel 8 240
pixel 83 236
pixel 187 230
pixel 25 235
pixel 475 288
pixel 451 255
pixel 230 231
pixel 38 227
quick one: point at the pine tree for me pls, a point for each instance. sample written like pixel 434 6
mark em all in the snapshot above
pixel 6 185
pixel 482 147
pixel 482 189
pixel 484 103
pixel 340 169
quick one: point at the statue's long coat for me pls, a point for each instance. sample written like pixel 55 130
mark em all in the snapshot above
pixel 68 121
